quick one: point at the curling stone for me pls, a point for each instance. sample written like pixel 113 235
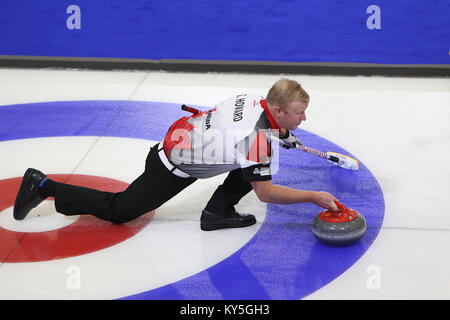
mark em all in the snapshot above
pixel 339 228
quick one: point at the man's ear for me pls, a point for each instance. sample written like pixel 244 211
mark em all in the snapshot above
pixel 276 111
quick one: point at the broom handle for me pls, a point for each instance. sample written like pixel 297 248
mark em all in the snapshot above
pixel 318 153
pixel 190 109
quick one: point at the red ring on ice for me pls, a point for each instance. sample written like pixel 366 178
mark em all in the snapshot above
pixel 87 234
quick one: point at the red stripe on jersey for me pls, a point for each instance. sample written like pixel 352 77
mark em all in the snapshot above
pixel 260 149
pixel 272 122
pixel 178 136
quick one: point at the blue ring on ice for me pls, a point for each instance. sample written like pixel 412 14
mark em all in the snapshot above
pixel 283 260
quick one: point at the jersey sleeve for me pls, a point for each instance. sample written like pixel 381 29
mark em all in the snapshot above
pixel 255 155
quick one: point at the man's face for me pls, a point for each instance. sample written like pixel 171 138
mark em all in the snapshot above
pixel 292 116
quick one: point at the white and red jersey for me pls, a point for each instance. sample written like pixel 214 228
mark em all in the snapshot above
pixel 235 134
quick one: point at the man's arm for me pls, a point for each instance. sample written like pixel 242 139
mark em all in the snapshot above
pixel 273 193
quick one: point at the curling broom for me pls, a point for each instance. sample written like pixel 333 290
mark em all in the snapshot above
pixel 337 159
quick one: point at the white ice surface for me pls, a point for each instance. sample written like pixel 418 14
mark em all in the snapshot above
pixel 398 127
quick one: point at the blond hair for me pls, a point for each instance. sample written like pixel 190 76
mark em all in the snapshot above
pixel 285 91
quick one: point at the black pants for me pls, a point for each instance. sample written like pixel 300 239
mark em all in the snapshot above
pixel 149 191
pixel 228 194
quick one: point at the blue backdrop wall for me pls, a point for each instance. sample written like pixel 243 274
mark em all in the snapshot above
pixel 393 32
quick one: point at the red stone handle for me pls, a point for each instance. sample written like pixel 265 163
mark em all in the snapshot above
pixel 342 215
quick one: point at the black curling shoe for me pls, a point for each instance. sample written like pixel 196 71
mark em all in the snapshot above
pixel 210 221
pixel 29 195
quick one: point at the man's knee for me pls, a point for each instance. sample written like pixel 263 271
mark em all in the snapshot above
pixel 118 219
